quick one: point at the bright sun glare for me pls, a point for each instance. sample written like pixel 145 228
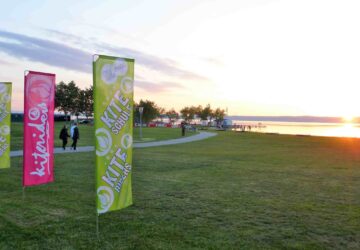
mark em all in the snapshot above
pixel 348 118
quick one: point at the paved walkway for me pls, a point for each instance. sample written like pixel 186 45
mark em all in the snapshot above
pixel 197 137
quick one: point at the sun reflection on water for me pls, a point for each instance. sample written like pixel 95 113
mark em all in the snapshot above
pixel 346 130
pixel 303 128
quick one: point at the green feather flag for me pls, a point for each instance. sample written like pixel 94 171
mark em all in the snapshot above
pixel 113 115
pixel 5 123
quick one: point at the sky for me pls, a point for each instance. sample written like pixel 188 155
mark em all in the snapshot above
pixel 251 57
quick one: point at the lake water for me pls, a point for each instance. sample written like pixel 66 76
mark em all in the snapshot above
pixel 305 128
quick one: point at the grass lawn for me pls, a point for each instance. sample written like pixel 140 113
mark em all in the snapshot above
pixel 235 190
pixel 87 135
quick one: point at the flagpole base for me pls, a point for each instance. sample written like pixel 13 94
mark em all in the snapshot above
pixel 97 226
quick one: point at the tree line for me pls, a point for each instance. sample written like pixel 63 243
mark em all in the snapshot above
pixel 153 111
pixel 72 100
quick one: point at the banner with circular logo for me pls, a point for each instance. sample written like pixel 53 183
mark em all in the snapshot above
pixel 113 114
pixel 38 128
pixel 5 123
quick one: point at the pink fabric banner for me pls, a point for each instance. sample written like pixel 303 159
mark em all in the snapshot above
pixel 39 94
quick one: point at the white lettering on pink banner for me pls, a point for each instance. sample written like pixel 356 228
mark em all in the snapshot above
pixel 38 128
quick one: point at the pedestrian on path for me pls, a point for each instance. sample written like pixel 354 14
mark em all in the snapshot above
pixel 198 137
pixel 183 128
pixel 64 136
pixel 75 136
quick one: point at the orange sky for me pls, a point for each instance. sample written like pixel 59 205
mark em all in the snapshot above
pixel 259 57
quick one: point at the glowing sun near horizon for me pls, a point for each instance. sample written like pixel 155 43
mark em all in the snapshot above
pixel 348 118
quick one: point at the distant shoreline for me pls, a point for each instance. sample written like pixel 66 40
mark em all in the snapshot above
pixel 349 130
pixel 317 119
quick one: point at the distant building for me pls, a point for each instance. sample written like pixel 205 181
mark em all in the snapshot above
pixel 19 117
pixel 61 117
pixel 226 124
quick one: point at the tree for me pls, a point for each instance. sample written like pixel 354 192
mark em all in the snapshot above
pixel 136 114
pixel 88 94
pixel 80 103
pixel 197 110
pixel 187 114
pixel 172 115
pixel 66 97
pixel 194 111
pixel 206 113
pixel 161 113
pixel 219 115
pixel 150 112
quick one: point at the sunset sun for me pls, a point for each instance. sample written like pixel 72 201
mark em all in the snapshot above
pixel 348 118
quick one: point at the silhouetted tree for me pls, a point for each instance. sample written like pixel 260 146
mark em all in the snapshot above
pixel 150 112
pixel 187 114
pixel 219 115
pixel 206 113
pixel 88 96
pixel 66 97
pixel 172 115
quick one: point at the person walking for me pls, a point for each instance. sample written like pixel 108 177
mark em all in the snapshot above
pixel 71 129
pixel 64 136
pixel 75 136
pixel 183 128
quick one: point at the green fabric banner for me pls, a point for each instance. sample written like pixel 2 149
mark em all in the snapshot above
pixel 5 123
pixel 113 115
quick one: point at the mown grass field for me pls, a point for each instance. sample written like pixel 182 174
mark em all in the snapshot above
pixel 233 191
pixel 87 135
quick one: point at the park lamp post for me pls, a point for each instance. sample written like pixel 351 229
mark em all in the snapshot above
pixel 141 110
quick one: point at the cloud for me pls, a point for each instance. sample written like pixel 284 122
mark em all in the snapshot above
pixel 166 66
pixel 2 62
pixel 45 51
pixel 63 56
pixel 213 60
pixel 157 87
pixel 73 39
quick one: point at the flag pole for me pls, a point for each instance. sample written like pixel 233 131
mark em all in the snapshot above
pixel 95 58
pixel 97 226
pixel 26 72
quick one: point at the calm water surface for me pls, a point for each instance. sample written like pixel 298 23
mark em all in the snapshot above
pixel 305 128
